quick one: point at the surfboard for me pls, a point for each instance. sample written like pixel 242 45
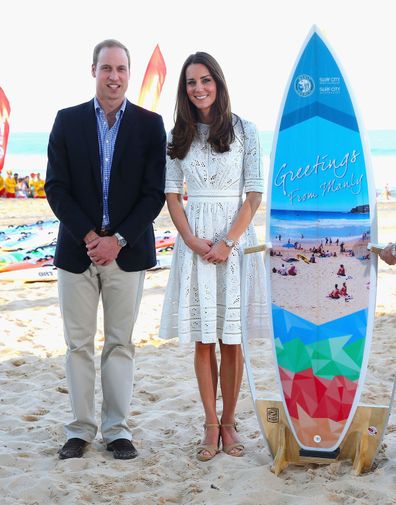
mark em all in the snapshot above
pixel 302 257
pixel 18 262
pixel 321 204
pixel 41 274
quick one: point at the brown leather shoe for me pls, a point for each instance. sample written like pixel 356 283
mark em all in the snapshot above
pixel 122 448
pixel 73 448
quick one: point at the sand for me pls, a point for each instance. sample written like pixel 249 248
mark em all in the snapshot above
pixel 166 414
pixel 307 292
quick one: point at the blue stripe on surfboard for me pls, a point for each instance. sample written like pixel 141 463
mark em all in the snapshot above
pixel 319 64
pixel 289 326
pixel 321 110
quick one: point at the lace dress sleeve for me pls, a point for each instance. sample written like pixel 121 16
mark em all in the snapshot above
pixel 252 159
pixel 174 175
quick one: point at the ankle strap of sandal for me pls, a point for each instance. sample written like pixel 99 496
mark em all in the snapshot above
pixel 229 425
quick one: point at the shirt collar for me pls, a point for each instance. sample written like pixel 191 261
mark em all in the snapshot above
pixel 99 109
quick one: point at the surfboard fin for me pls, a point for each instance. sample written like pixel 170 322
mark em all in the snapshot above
pixel 306 453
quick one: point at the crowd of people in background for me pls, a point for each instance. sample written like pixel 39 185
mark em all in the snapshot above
pixel 14 186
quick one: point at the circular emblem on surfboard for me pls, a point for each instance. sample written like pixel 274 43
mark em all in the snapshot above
pixel 372 430
pixel 304 85
pixel 317 439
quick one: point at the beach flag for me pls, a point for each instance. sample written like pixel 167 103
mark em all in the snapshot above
pixel 4 126
pixel 153 81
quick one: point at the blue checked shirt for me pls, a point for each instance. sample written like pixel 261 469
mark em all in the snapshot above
pixel 107 139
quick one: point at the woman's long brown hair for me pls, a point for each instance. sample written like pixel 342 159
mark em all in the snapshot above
pixel 221 133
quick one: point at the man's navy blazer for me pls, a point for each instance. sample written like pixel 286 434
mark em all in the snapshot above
pixel 136 190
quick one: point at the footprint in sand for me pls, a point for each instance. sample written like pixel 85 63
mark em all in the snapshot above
pixel 30 418
pixel 35 416
pixel 61 389
pixel 18 362
pixel 150 396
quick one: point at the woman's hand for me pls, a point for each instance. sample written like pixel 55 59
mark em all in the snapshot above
pixel 201 246
pixel 218 253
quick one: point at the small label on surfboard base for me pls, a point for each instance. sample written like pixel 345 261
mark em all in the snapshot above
pixel 317 439
pixel 273 415
pixel 372 431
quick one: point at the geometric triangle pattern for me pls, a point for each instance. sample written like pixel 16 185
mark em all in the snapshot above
pixel 308 430
pixel 327 358
pixel 319 369
pixel 316 397
pixel 288 326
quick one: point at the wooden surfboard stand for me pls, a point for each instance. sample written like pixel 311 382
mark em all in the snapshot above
pixel 360 444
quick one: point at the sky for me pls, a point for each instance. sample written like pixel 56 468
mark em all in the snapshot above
pixel 46 51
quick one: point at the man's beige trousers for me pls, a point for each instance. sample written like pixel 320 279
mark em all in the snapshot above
pixel 79 296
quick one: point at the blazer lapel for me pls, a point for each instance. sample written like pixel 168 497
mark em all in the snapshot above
pixel 91 133
pixel 126 132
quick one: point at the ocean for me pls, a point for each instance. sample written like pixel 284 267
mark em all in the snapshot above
pixel 27 153
pixel 299 226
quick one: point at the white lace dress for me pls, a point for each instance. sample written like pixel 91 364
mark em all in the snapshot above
pixel 203 301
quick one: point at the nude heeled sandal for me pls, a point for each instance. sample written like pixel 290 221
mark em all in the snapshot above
pixel 210 448
pixel 240 448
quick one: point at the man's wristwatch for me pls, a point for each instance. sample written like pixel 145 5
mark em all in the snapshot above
pixel 229 242
pixel 120 240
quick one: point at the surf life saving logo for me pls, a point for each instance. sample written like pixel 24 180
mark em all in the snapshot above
pixel 304 85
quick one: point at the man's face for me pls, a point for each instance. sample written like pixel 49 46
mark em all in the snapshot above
pixel 112 76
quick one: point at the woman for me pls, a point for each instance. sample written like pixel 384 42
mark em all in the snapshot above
pixel 218 155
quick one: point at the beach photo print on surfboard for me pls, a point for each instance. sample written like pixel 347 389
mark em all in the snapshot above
pixel 321 278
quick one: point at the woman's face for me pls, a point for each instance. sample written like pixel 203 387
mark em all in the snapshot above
pixel 201 89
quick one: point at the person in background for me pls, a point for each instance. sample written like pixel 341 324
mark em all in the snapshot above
pixel 39 192
pixel 282 270
pixel 2 186
pixel 219 156
pixel 387 192
pixel 32 185
pixel 388 254
pixel 21 189
pixel 26 185
pixel 10 185
pixel 105 184
pixel 335 293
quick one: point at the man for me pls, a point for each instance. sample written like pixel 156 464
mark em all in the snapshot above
pixel 388 254
pixel 105 183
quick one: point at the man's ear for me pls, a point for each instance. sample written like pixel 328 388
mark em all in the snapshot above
pixel 93 70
